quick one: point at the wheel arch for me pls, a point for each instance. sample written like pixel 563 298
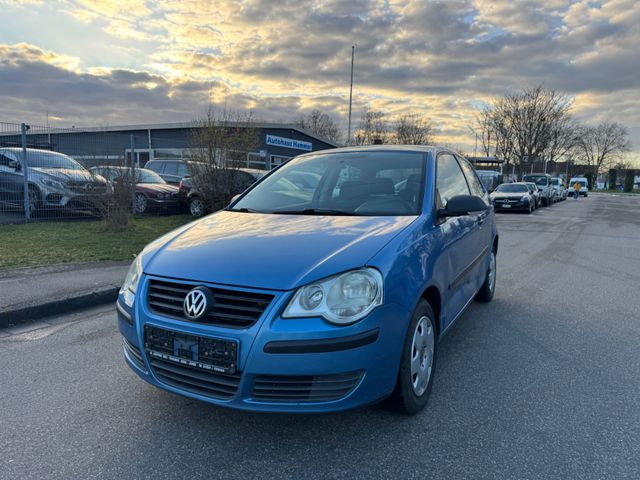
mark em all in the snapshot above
pixel 432 295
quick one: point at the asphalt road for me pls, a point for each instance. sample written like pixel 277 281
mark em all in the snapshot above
pixel 544 382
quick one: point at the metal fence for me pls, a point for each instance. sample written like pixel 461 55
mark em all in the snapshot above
pixel 61 174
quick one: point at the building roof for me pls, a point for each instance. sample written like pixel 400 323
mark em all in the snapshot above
pixel 189 125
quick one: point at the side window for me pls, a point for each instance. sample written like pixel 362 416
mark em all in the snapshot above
pixel 4 160
pixel 171 168
pixel 449 179
pixel 155 166
pixel 472 179
pixel 182 170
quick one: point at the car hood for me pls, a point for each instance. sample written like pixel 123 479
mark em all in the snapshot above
pixel 156 188
pixel 265 251
pixel 68 175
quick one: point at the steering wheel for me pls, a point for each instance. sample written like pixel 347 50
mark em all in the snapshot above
pixel 385 205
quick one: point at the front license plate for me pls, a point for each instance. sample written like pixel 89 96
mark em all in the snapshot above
pixel 204 353
pixel 506 205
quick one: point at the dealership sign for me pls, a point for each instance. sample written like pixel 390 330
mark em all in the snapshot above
pixel 289 143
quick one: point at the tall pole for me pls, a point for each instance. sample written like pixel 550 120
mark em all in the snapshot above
pixel 353 53
pixel 25 171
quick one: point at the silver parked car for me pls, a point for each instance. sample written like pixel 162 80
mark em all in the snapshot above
pixel 54 180
pixel 535 193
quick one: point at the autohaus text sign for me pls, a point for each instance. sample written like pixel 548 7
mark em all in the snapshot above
pixel 289 143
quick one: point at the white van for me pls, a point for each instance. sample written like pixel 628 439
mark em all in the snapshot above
pixel 584 189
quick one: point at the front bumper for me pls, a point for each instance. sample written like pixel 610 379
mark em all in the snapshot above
pixel 163 205
pixel 511 205
pixel 273 350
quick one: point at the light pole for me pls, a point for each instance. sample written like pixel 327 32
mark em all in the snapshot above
pixel 353 53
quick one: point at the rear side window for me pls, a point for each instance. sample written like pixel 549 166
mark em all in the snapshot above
pixel 155 166
pixel 472 179
pixel 171 168
pixel 450 180
pixel 182 169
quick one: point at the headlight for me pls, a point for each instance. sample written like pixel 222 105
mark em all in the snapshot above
pixel 133 276
pixel 341 299
pixel 52 183
pixel 524 199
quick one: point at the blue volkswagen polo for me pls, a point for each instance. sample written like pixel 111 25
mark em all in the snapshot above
pixel 325 286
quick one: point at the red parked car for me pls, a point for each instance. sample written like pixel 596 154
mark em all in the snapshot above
pixel 152 193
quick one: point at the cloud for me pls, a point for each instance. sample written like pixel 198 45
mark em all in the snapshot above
pixel 438 57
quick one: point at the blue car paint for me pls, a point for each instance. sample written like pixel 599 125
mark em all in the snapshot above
pixel 276 254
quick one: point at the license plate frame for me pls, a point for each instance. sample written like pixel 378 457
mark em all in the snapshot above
pixel 209 354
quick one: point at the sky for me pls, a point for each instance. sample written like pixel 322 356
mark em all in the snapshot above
pixel 103 62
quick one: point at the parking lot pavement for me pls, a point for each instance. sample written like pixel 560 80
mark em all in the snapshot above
pixel 540 383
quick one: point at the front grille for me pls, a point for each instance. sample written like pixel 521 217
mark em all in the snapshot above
pixel 297 389
pixel 208 384
pixel 86 187
pixel 134 354
pixel 231 308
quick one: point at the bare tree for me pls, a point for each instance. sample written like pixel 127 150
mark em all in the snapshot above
pixel 373 128
pixel 526 125
pixel 602 145
pixel 321 124
pixel 412 129
pixel 220 143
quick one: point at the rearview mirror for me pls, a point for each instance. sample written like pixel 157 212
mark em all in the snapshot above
pixel 463 205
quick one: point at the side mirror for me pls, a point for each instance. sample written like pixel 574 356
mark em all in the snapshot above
pixel 15 165
pixel 462 205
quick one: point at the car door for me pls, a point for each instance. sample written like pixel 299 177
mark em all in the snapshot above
pixel 462 239
pixel 11 180
pixel 483 224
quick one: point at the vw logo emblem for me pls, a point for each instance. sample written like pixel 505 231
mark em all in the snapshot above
pixel 196 303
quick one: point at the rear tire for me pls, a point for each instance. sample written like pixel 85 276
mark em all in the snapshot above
pixel 485 294
pixel 418 363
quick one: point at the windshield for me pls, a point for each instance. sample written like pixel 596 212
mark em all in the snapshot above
pixel 555 181
pixel 539 180
pixel 43 159
pixel 350 183
pixel 147 176
pixel 581 182
pixel 511 188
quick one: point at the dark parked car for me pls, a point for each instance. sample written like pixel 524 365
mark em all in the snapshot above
pixel 174 170
pixel 513 196
pixel 54 179
pixel 235 181
pixel 152 193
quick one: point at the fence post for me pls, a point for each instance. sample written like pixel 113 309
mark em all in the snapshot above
pixel 133 174
pixel 25 171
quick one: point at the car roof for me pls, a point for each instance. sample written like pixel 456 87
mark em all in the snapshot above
pixel 385 148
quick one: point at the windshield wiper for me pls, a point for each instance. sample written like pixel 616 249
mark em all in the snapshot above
pixel 315 211
pixel 243 210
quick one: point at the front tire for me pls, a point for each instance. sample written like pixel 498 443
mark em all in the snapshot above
pixel 418 362
pixel 485 294
pixel 139 204
pixel 196 207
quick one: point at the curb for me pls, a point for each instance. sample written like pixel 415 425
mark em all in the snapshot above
pixel 11 318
